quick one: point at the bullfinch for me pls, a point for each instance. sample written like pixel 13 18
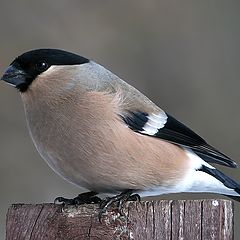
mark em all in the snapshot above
pixel 100 133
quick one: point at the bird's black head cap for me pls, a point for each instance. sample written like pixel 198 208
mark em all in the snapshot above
pixel 25 68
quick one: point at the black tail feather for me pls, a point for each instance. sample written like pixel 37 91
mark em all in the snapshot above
pixel 227 181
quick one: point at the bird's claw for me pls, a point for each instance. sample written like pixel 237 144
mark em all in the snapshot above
pixel 120 199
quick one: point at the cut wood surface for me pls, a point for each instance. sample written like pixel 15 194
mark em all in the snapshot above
pixel 164 219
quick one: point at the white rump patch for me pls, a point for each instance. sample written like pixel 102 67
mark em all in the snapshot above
pixel 196 161
pixel 193 181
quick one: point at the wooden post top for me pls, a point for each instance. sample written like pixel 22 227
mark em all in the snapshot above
pixel 165 219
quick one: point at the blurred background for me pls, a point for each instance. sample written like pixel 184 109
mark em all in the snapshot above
pixel 184 55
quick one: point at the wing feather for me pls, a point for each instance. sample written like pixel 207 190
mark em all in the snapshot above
pixel 168 128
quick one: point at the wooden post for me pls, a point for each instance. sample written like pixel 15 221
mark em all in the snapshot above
pixel 178 219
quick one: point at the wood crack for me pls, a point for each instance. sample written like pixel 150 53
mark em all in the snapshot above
pixel 35 222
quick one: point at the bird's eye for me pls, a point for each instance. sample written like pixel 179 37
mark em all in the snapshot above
pixel 41 66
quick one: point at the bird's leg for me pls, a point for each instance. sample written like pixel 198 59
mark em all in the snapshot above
pixel 134 197
pixel 120 199
pixel 83 198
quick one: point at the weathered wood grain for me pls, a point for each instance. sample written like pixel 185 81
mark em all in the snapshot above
pixel 165 219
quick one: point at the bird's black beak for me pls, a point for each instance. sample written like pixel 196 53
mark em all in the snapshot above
pixel 14 76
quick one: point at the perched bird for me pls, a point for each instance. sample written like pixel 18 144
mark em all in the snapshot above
pixel 100 133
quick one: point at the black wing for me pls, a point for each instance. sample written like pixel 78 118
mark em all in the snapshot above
pixel 177 133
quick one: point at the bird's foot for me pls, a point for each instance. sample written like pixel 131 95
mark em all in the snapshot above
pixel 83 198
pixel 120 199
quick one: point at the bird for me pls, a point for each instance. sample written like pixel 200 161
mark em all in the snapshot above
pixel 102 134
